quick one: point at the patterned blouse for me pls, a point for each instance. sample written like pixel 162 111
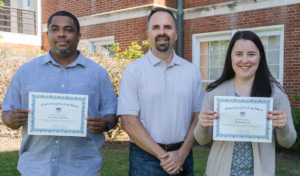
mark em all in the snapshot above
pixel 242 158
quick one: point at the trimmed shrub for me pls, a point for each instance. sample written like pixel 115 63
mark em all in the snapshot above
pixel 10 60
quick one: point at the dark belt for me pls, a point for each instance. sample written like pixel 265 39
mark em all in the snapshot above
pixel 171 147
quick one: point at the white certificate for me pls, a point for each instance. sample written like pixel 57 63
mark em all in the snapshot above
pixel 57 114
pixel 242 119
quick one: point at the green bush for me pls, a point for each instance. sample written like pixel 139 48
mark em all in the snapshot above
pixel 133 51
pixel 296 119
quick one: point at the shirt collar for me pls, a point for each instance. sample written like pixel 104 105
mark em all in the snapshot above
pixel 155 60
pixel 80 60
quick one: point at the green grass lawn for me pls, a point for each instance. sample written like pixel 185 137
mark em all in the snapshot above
pixel 116 163
pixel 8 163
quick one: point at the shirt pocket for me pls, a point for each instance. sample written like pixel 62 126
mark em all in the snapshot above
pixel 83 88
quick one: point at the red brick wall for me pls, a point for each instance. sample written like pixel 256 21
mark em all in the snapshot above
pixel 168 3
pixel 197 3
pixel 45 46
pixel 286 15
pixel 84 8
pixel 125 31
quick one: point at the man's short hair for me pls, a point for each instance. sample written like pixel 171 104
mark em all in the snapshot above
pixel 65 13
pixel 161 9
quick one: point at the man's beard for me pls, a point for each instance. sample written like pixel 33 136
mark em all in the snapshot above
pixel 164 47
pixel 63 51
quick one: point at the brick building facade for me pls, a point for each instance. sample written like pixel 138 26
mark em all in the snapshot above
pixel 208 28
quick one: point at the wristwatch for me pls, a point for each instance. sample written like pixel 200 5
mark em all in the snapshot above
pixel 108 127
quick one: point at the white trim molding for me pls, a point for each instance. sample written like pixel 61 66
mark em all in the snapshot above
pixel 227 35
pixel 91 43
pixel 233 7
pixel 117 15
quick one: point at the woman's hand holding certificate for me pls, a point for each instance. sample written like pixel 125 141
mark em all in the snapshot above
pixel 206 118
pixel 243 119
pixel 279 118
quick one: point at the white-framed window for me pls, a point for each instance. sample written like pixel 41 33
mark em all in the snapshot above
pixel 98 45
pixel 104 50
pixel 209 51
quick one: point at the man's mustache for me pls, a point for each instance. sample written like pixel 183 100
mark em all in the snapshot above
pixel 61 40
pixel 162 36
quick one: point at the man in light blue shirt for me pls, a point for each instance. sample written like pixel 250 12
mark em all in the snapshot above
pixel 62 70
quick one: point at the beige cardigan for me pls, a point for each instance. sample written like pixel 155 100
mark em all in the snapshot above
pixel 220 157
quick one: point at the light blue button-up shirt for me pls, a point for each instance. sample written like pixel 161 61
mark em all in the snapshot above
pixel 58 155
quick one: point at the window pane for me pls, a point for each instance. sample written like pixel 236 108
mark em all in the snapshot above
pixel 110 52
pixel 221 70
pixel 214 73
pixel 97 49
pixel 80 46
pixel 204 48
pixel 273 42
pixel 104 51
pixel 224 45
pixel 204 73
pixel 222 59
pixel 264 42
pixel 214 47
pixel 274 71
pixel 214 60
pixel 273 57
pixel 204 60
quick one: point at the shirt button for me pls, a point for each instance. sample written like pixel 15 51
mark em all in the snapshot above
pixel 56 142
pixel 167 77
pixel 62 85
pixel 53 159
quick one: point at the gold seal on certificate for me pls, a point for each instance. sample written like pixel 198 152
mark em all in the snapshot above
pixel 242 119
pixel 57 114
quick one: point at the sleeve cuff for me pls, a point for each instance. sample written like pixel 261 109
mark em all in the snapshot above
pixel 199 130
pixel 284 131
pixel 128 112
pixel 6 108
pixel 197 109
pixel 108 111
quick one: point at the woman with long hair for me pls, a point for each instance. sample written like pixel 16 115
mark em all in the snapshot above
pixel 245 74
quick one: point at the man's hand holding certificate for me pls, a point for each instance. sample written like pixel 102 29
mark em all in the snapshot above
pixel 242 119
pixel 57 114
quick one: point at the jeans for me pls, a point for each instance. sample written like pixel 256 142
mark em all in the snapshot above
pixel 142 163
